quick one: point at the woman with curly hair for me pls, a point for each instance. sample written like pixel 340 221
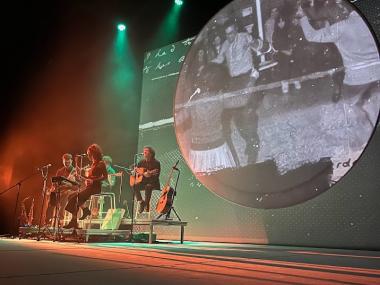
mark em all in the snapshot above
pixel 96 174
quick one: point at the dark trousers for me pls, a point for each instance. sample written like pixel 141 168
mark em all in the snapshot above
pixel 79 199
pixel 148 189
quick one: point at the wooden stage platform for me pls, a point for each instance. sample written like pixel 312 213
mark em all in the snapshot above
pixel 91 229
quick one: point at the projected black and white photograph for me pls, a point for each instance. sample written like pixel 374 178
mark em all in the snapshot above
pixel 277 99
pixel 190 142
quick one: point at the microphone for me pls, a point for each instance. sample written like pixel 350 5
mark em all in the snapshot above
pixel 141 153
pixel 45 166
pixel 83 154
pixel 121 167
pixel 175 165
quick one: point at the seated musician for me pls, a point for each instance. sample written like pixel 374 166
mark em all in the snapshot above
pixel 108 184
pixel 150 169
pixel 96 174
pixel 65 188
pixel 60 192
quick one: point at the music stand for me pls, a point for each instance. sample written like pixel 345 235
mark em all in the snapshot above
pixel 56 220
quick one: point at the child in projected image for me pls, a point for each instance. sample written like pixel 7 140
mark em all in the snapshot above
pixel 288 44
pixel 209 151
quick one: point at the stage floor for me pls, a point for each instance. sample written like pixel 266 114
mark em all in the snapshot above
pixel 46 262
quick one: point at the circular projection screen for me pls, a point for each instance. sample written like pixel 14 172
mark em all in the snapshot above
pixel 276 100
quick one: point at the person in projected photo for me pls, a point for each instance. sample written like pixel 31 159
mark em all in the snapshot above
pixel 321 15
pixel 361 84
pixel 149 168
pixel 209 151
pixel 96 174
pixel 109 183
pixel 287 40
pixel 215 40
pixel 270 24
pixel 236 52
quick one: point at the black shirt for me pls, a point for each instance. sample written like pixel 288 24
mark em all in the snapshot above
pixel 152 164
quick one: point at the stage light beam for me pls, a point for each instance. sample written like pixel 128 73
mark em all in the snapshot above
pixel 121 27
pixel 167 32
pixel 178 2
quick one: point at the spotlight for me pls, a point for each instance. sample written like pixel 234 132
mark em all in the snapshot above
pixel 121 27
pixel 178 2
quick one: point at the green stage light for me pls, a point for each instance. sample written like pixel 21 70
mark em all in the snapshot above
pixel 178 2
pixel 121 27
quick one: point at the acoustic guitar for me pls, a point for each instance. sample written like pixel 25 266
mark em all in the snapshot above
pixel 165 202
pixel 138 175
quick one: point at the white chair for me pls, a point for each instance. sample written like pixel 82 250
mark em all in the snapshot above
pixel 98 201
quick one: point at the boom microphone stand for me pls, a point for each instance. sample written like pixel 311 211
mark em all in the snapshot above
pixel 14 231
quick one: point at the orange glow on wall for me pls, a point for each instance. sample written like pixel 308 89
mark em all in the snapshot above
pixel 6 175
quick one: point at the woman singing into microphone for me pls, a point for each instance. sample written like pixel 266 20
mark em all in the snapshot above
pixel 93 182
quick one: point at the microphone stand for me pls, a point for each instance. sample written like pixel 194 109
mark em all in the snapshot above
pixel 74 233
pixel 121 179
pixel 57 210
pixel 121 191
pixel 121 185
pixel 44 176
pixel 133 194
pixel 15 229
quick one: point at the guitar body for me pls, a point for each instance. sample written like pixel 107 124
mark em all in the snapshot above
pixel 165 202
pixel 135 179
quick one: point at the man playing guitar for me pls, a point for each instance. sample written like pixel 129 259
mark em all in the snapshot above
pixel 149 168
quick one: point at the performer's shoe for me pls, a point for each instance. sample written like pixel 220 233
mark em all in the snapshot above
pixel 86 213
pixel 71 225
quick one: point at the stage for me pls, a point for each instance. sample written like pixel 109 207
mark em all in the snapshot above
pixel 46 262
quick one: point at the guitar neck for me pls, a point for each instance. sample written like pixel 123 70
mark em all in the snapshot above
pixel 169 178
